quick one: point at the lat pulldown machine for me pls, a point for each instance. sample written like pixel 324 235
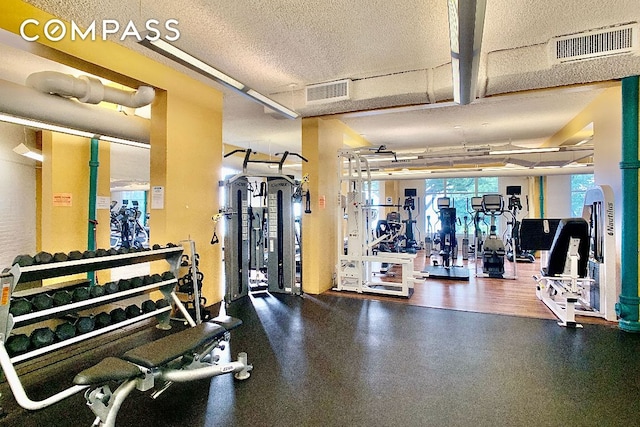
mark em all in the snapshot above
pixel 262 240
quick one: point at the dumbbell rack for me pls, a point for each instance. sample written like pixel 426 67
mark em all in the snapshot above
pixel 17 274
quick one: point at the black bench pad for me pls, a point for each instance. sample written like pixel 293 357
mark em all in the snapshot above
pixel 227 322
pixel 108 369
pixel 164 350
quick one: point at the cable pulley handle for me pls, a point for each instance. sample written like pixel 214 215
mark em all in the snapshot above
pixel 240 150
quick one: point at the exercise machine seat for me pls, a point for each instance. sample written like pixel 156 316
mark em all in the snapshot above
pixel 568 228
pixel 108 369
pixel 164 350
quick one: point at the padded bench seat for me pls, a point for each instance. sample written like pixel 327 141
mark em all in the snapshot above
pixel 156 353
pixel 164 350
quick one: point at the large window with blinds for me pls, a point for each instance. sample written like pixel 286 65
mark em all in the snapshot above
pixel 460 191
pixel 579 186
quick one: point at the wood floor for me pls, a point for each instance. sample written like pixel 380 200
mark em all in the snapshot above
pixel 516 297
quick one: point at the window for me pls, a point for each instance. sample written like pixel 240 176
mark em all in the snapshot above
pixel 460 190
pixel 579 186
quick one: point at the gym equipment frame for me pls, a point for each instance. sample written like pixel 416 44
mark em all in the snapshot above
pixel 592 288
pixel 141 366
pixel 354 267
pixel 262 239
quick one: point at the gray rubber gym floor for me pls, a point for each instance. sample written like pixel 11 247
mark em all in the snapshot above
pixel 332 361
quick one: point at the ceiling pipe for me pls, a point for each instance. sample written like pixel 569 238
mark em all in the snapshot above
pixel 402 176
pixel 88 89
pixel 466 23
pixel 29 103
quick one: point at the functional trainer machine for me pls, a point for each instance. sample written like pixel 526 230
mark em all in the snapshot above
pixel 261 239
pixel 356 242
pixel 580 277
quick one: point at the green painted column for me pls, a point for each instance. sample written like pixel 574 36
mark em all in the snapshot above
pixel 541 197
pixel 627 308
pixel 93 191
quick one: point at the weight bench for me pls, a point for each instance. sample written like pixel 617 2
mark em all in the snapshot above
pixel 180 357
pixel 565 276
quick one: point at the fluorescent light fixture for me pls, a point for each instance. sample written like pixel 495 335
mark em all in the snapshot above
pixel 178 55
pixel 61 129
pixel 45 126
pixel 125 142
pixel 31 153
pixel 466 23
pixel 270 103
pixel 524 151
pixel 189 61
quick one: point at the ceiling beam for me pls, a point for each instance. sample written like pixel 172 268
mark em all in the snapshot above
pixel 466 22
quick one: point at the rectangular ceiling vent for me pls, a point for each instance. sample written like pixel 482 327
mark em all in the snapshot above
pixel 595 44
pixel 323 93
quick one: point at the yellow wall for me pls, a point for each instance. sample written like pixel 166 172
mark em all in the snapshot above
pixel 186 136
pixel 321 140
pixel 186 160
pixel 65 171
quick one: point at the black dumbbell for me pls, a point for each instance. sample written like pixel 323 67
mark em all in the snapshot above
pixel 102 320
pixel 20 306
pixel 75 255
pixel 41 302
pixel 113 251
pixel 124 284
pixel 65 331
pixel 132 311
pixel 88 254
pixel 102 252
pixel 81 293
pixel 161 303
pixel 41 337
pixel 148 306
pixel 171 245
pixel 168 275
pixel 43 258
pixel 61 297
pixel 17 344
pixel 96 291
pixel 111 288
pixel 118 315
pixel 60 257
pixel 85 324
pixel 122 250
pixel 156 246
pixel 23 261
pixel 137 282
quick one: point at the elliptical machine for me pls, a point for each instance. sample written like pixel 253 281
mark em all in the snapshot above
pixel 493 250
pixel 409 205
pixel 513 245
pixel 447 234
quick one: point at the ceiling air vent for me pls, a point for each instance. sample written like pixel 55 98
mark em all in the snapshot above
pixel 595 44
pixel 324 93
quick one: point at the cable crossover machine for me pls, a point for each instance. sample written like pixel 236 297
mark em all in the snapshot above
pixel 262 240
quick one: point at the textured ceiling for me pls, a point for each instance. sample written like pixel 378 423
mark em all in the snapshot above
pixel 397 53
